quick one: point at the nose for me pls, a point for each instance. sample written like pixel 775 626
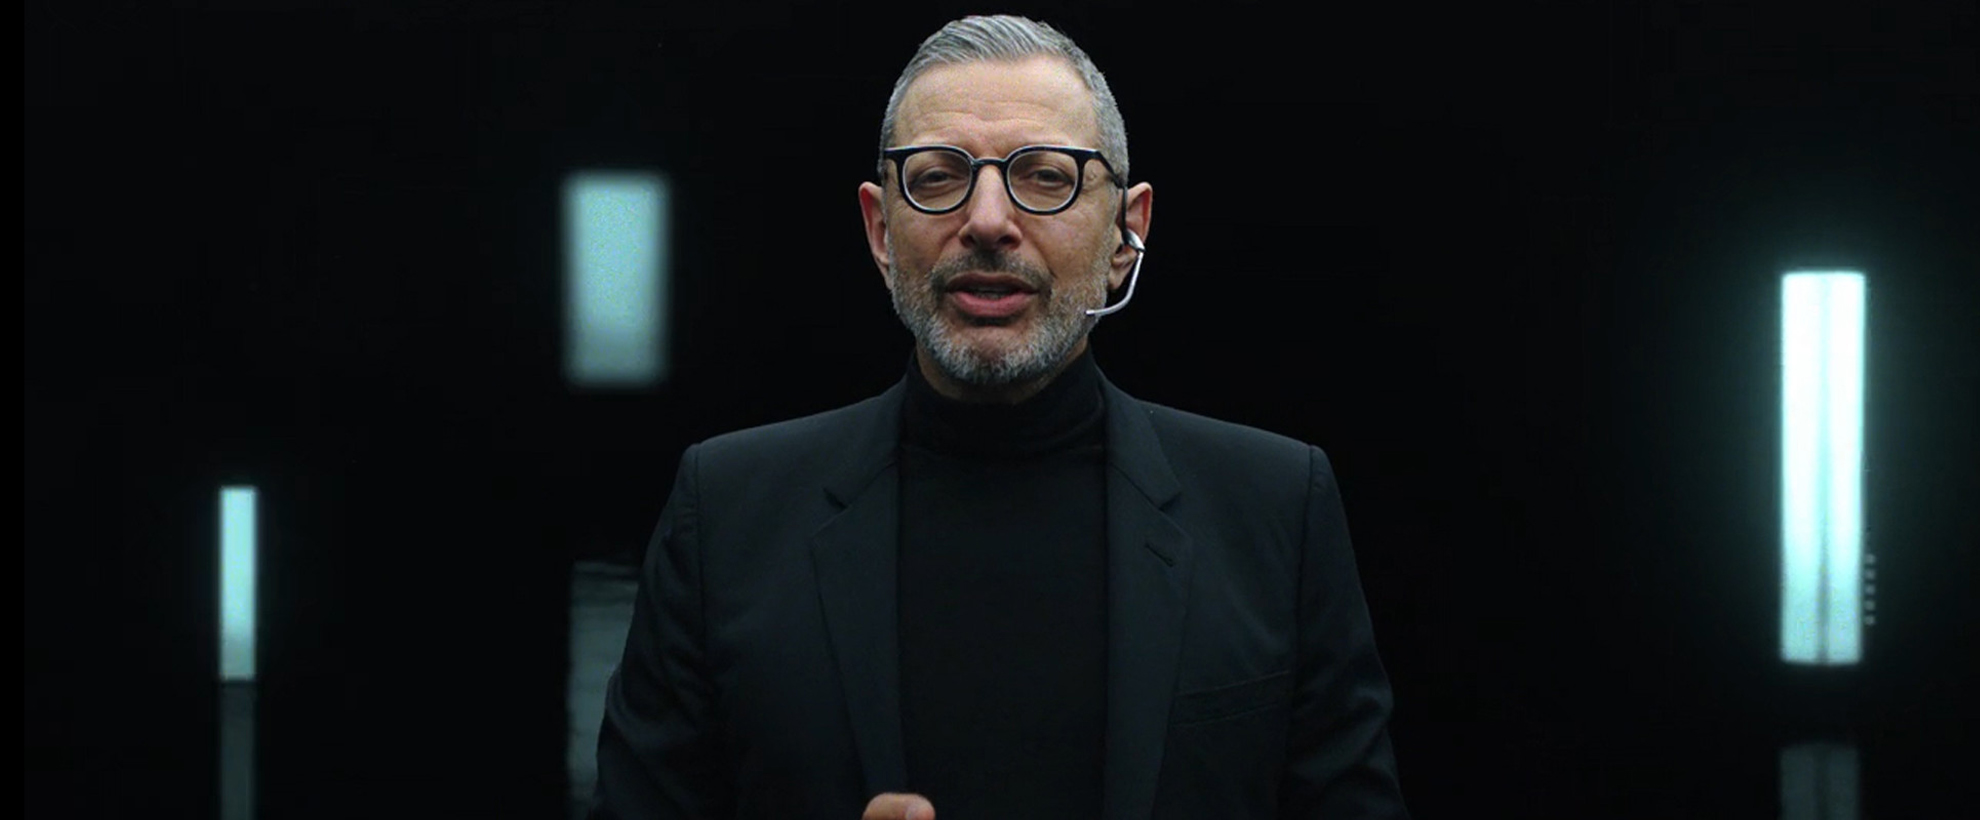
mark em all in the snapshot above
pixel 992 219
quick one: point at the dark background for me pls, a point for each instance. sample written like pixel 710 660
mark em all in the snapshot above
pixel 1515 269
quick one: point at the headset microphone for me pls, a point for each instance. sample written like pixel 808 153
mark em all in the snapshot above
pixel 1134 274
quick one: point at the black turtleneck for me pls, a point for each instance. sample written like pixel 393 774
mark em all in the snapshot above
pixel 1003 599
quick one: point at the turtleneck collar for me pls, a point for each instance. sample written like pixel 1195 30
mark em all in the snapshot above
pixel 1065 414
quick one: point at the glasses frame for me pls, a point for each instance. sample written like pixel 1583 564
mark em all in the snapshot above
pixel 900 155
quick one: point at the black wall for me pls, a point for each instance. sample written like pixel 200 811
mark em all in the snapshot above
pixel 1514 269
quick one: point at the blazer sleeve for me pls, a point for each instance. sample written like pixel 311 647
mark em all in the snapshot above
pixel 1339 762
pixel 659 754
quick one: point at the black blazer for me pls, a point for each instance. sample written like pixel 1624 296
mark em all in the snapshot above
pixel 761 674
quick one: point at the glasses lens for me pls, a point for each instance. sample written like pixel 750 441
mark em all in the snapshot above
pixel 936 179
pixel 1044 180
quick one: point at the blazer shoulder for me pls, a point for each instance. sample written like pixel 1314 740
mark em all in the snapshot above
pixel 804 444
pixel 1188 438
pixel 797 431
pixel 1182 425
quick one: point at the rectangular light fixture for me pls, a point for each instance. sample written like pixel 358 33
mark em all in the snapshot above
pixel 239 546
pixel 1822 377
pixel 615 279
pixel 237 577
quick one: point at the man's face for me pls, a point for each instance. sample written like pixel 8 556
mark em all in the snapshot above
pixel 996 296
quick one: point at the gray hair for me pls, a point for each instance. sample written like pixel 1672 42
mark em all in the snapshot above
pixel 1005 38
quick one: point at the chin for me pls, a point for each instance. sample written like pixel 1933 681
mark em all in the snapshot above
pixel 999 356
pixel 990 362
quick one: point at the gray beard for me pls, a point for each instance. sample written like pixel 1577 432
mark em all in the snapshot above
pixel 1057 328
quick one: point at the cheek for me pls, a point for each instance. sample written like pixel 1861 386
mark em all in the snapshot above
pixel 914 247
pixel 1085 252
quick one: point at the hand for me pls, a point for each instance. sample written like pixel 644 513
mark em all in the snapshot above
pixel 891 806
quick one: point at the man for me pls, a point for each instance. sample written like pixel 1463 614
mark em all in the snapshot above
pixel 1003 588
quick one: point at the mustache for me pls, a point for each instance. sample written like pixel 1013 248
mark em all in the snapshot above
pixel 988 260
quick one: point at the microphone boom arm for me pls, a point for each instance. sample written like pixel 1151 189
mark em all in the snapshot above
pixel 1134 276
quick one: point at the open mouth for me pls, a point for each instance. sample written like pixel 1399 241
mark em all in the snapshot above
pixel 994 298
pixel 987 302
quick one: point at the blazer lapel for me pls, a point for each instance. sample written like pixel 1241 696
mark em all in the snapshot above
pixel 854 556
pixel 1149 561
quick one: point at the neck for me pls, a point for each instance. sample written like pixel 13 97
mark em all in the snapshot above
pixel 949 388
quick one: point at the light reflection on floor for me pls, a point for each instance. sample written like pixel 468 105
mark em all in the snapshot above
pixel 1819 782
pixel 601 609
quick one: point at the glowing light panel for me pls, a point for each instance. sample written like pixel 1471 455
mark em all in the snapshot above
pixel 237 576
pixel 615 278
pixel 1822 341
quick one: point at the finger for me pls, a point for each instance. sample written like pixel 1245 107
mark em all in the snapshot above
pixel 896 806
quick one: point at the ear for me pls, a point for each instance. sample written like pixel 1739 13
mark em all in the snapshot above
pixel 873 209
pixel 1139 210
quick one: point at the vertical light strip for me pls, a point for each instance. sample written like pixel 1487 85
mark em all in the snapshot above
pixel 1819 782
pixel 237 576
pixel 615 279
pixel 1822 365
pixel 239 545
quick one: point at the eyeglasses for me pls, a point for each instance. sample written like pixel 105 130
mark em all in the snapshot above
pixel 1041 179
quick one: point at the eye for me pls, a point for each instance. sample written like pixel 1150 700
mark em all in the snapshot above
pixel 934 177
pixel 1048 177
pixel 935 181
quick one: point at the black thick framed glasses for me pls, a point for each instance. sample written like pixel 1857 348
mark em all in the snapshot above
pixel 1040 179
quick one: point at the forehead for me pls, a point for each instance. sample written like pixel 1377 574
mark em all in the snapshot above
pixel 991 107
